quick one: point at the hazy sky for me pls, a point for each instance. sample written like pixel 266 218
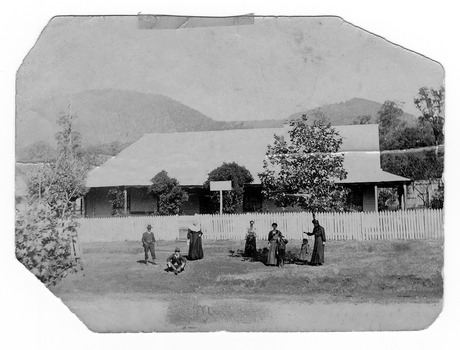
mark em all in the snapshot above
pixel 269 70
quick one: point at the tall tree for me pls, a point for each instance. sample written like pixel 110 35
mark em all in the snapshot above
pixel 389 120
pixel 46 232
pixel 232 200
pixel 362 119
pixel 170 194
pixel 62 180
pixel 431 103
pixel 68 139
pixel 303 170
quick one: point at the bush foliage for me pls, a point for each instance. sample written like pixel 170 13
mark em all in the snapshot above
pixel 45 242
pixel 302 171
pixel 170 194
pixel 46 232
pixel 232 200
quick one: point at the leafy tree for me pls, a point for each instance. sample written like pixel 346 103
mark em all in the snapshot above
pixel 411 137
pixel 362 119
pixel 46 242
pixel 68 140
pixel 431 103
pixel 62 180
pixel 116 198
pixel 46 233
pixel 317 116
pixel 388 199
pixel 415 165
pixel 302 171
pixel 232 200
pixel 170 194
pixel 438 198
pixel 389 123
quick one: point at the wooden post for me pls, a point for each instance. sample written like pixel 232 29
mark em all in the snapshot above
pixel 125 199
pixel 403 201
pixel 221 199
pixel 220 186
pixel 376 199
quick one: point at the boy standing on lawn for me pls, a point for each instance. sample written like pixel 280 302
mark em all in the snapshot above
pixel 148 242
pixel 176 262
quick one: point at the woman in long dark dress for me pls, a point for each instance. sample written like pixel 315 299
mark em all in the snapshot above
pixel 317 256
pixel 250 248
pixel 273 238
pixel 195 249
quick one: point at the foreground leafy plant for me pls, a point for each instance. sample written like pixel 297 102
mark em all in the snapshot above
pixel 46 243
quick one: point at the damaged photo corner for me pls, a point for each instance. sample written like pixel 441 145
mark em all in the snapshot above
pixel 247 174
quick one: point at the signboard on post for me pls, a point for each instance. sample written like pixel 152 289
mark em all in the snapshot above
pixel 220 186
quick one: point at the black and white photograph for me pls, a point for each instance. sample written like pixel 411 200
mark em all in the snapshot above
pixel 246 173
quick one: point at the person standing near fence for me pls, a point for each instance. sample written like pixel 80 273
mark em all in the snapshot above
pixel 148 242
pixel 273 238
pixel 195 248
pixel 317 256
pixel 281 250
pixel 250 248
pixel 303 256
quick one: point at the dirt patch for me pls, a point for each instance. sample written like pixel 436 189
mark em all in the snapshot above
pixel 142 313
pixel 191 311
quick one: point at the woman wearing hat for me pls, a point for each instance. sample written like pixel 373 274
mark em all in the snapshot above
pixel 317 256
pixel 273 238
pixel 195 249
pixel 250 247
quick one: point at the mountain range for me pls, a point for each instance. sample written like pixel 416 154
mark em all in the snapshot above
pixel 108 115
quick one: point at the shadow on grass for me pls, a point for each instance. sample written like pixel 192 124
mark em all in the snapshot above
pixel 143 262
pixel 261 256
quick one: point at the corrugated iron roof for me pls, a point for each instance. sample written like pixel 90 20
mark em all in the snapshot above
pixel 190 156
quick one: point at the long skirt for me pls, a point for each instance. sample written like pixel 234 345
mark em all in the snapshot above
pixel 271 259
pixel 195 250
pixel 317 256
pixel 250 247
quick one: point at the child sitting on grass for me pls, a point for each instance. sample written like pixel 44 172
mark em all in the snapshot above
pixel 176 262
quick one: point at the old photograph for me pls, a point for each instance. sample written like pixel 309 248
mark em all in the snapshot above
pixel 247 174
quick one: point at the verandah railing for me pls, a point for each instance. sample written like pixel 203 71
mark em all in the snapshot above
pixel 410 224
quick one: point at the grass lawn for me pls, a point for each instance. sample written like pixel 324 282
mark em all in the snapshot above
pixel 379 271
pixel 371 285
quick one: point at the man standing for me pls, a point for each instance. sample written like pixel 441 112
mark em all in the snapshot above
pixel 176 262
pixel 148 242
pixel 317 257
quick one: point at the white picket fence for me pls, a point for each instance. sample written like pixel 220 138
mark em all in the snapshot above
pixel 129 228
pixel 410 224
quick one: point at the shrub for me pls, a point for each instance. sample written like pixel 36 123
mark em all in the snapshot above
pixel 170 195
pixel 45 242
